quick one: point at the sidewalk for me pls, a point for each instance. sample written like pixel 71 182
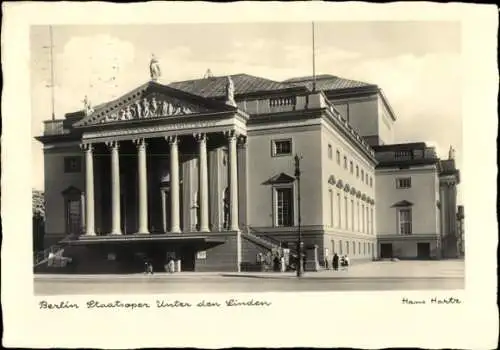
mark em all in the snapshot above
pixel 381 269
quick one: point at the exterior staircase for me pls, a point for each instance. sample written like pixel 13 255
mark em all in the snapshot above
pixel 267 241
pixel 59 260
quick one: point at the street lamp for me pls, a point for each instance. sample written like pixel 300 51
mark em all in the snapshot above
pixel 299 243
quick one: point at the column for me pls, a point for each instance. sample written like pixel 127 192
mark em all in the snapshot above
pixel 233 181
pixel 143 186
pixel 174 184
pixel 115 187
pixel 242 181
pixel 203 190
pixel 89 189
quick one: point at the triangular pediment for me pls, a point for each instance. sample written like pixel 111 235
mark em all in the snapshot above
pixel 403 203
pixel 152 101
pixel 281 178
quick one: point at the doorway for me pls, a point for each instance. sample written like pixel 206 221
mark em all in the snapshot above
pixel 386 250
pixel 423 250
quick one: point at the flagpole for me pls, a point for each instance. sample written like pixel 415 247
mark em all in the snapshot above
pixel 313 59
pixel 52 72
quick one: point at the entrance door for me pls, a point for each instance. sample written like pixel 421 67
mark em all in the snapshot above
pixel 386 250
pixel 423 250
pixel 73 216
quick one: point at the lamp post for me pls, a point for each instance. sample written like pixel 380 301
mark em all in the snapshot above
pixel 299 243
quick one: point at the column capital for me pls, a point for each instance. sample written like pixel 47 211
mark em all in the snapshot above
pixel 242 141
pixel 112 144
pixel 172 139
pixel 200 137
pixel 87 147
pixel 140 142
pixel 231 135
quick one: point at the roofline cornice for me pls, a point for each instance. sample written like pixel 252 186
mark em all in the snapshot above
pixel 387 104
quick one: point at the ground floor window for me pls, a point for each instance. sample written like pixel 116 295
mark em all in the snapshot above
pixel 404 218
pixel 284 206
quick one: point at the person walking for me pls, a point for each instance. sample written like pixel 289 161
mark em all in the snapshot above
pixel 335 262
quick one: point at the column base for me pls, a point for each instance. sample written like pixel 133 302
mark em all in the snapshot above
pixel 116 233
pixel 175 230
pixel 143 232
pixel 204 229
pixel 89 234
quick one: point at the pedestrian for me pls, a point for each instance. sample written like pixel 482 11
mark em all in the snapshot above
pixel 326 262
pixel 335 262
pixel 171 265
pixel 150 267
pixel 347 262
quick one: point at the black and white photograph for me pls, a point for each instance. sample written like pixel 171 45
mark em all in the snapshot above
pixel 194 158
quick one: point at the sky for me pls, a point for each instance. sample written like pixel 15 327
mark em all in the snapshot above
pixel 417 64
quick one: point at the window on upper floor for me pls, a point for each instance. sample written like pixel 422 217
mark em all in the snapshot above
pixel 357 171
pixel 404 221
pixel 330 151
pixel 362 175
pixel 351 167
pixel 345 162
pixel 371 181
pixel 403 182
pixel 281 148
pixel 338 157
pixel 72 164
pixel 366 178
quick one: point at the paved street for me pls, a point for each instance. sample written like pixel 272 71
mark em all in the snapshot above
pixel 402 275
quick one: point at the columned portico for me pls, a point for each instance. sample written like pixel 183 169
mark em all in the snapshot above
pixel 203 192
pixel 142 185
pixel 115 187
pixel 174 184
pixel 89 189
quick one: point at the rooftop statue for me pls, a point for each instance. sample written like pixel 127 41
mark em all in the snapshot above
pixel 230 92
pixel 87 106
pixel 451 153
pixel 154 68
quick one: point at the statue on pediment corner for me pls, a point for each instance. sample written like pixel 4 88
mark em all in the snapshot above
pixel 87 106
pixel 451 153
pixel 230 92
pixel 154 68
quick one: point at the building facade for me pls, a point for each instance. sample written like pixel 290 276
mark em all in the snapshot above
pixel 203 171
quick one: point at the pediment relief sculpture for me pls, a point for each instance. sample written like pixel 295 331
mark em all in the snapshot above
pixel 153 106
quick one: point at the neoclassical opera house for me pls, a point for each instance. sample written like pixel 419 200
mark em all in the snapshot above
pixel 203 171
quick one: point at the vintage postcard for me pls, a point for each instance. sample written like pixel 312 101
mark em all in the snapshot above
pixel 217 168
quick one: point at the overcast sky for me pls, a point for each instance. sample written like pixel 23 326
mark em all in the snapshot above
pixel 417 64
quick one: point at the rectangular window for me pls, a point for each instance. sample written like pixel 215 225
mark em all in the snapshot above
pixel 330 193
pixel 353 248
pixel 357 217
pixel 359 248
pixel 340 247
pixel 403 182
pixel 338 157
pixel 330 151
pixel 72 164
pixel 284 206
pixel 404 218
pixel 352 214
pixel 362 218
pixel 373 224
pixel 362 175
pixel 367 220
pixel 351 167
pixel 73 216
pixel 339 209
pixel 333 247
pixel 357 171
pixel 346 213
pixel 345 162
pixel 282 147
pixel 371 181
pixel 347 247
pixel 366 178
